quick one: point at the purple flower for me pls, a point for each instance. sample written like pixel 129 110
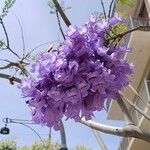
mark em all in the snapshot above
pixel 76 80
pixel 116 19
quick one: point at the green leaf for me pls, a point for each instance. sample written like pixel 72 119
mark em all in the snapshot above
pixel 126 2
pixel 8 4
pixel 8 144
pixel 120 28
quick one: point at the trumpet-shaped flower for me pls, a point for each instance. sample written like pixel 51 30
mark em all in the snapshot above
pixel 76 80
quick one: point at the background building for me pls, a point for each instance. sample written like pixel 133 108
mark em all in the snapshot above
pixel 138 14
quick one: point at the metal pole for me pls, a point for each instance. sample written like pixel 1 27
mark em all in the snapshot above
pixel 63 137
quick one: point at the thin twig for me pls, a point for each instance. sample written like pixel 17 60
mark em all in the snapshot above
pixel 18 65
pixel 8 77
pixel 110 8
pixel 11 64
pixel 99 140
pixel 31 51
pixel 59 24
pixel 121 35
pixel 23 69
pixel 22 34
pixel 138 95
pixel 13 52
pixel 135 107
pixel 61 12
pixel 5 60
pixel 6 34
pixel 125 110
pixel 7 39
pixel 103 7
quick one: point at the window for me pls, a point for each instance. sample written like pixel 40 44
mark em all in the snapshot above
pixel 143 18
pixel 143 11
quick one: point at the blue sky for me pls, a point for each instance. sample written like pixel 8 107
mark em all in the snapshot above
pixel 40 26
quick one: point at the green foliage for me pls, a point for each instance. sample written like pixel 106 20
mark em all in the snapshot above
pixel 81 147
pixel 115 30
pixel 41 146
pixel 8 144
pixel 8 4
pixel 119 28
pixel 126 2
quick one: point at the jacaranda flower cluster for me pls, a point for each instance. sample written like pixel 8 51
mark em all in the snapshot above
pixel 76 79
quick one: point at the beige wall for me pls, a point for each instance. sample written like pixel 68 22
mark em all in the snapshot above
pixel 135 9
pixel 140 57
pixel 140 42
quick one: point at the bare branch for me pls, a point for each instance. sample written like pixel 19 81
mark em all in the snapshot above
pixel 22 34
pixel 7 39
pixel 135 107
pixel 11 64
pixel 18 65
pixel 13 52
pixel 5 60
pixel 125 110
pixel 138 95
pixel 59 24
pixel 31 51
pixel 8 77
pixel 121 35
pixel 110 8
pixel 126 131
pixel 6 34
pixel 61 12
pixel 104 11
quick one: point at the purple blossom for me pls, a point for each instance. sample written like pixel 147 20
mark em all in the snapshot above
pixel 76 80
pixel 116 20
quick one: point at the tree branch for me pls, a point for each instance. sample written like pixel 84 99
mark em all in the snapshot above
pixel 121 35
pixel 6 34
pixel 22 34
pixel 5 60
pixel 59 24
pixel 138 95
pixel 135 107
pixel 126 131
pixel 104 11
pixel 18 65
pixel 10 78
pixel 125 110
pixel 110 8
pixel 61 12
pixel 7 39
pixel 11 64
pixel 31 51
